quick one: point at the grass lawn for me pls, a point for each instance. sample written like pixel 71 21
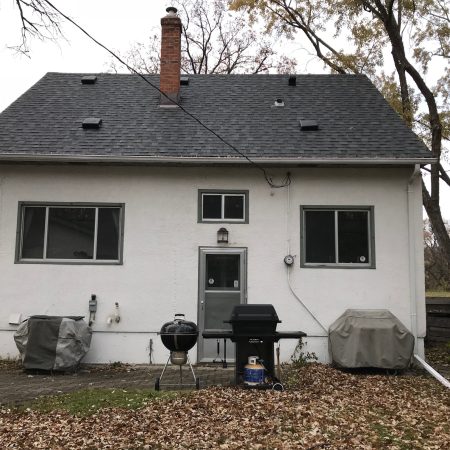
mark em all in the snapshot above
pixel 438 294
pixel 324 409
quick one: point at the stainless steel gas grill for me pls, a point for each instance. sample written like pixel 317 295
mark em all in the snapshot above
pixel 178 336
pixel 254 333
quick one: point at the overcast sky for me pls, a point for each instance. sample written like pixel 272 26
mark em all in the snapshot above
pixel 116 24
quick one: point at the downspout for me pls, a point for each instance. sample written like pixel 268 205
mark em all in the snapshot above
pixel 412 254
pixel 433 372
pixel 412 278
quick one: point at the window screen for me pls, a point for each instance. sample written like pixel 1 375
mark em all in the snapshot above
pixel 234 207
pixel 212 206
pixel 320 243
pixel 70 233
pixel 33 228
pixel 353 236
pixel 108 236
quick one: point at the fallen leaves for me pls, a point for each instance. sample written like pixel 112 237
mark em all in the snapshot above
pixel 328 409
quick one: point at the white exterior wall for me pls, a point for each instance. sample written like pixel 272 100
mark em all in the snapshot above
pixel 159 275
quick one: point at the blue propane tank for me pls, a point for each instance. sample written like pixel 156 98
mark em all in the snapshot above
pixel 253 372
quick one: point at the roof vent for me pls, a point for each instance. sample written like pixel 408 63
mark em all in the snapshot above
pixel 308 125
pixel 279 102
pixel 89 79
pixel 184 81
pixel 292 80
pixel 92 123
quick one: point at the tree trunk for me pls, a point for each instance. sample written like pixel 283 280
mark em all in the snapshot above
pixel 402 64
pixel 436 221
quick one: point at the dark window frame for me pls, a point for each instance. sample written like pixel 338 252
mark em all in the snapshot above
pixel 223 193
pixel 371 264
pixel 19 233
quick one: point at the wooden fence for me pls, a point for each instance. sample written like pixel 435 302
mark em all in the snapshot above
pixel 438 318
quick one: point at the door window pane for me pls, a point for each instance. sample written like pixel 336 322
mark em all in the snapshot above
pixel 234 207
pixel 353 237
pixel 212 206
pixel 222 272
pixel 33 230
pixel 108 233
pixel 218 307
pixel 320 237
pixel 71 233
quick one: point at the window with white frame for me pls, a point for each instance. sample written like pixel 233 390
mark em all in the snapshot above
pixel 78 233
pixel 337 236
pixel 223 206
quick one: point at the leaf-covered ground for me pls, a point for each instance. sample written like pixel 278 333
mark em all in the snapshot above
pixel 438 354
pixel 327 409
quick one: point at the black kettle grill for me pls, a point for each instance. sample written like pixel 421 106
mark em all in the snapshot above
pixel 178 336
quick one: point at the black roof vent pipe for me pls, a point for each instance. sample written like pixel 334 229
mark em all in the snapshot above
pixel 88 79
pixel 292 80
pixel 92 123
pixel 308 125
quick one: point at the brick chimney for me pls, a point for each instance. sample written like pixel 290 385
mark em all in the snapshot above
pixel 169 82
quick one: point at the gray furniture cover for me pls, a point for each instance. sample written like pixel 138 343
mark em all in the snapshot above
pixel 52 342
pixel 370 338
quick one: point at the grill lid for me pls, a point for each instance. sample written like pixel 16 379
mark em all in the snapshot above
pixel 254 313
pixel 179 334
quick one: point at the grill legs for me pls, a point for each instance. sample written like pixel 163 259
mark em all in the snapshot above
pixel 180 384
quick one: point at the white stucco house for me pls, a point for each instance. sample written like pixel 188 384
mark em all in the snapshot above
pixel 109 189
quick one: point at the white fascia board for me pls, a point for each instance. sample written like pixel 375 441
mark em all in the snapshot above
pixel 108 159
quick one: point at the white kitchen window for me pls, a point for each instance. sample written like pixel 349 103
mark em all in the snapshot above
pixel 76 233
pixel 337 237
pixel 223 206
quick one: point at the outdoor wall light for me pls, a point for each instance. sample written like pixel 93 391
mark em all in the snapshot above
pixel 222 236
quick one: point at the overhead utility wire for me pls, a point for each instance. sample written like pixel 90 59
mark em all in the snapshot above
pixel 286 181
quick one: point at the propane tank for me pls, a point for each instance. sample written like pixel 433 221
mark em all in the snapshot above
pixel 253 372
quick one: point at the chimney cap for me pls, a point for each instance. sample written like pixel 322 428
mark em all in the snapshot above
pixel 171 10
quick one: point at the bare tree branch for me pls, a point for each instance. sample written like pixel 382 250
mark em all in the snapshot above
pixel 38 20
pixel 215 41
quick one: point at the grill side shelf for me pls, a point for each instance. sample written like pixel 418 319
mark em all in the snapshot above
pixel 290 334
pixel 217 334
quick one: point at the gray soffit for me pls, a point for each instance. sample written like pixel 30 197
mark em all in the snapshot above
pixel 357 126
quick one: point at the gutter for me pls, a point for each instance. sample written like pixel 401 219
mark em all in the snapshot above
pixel 52 158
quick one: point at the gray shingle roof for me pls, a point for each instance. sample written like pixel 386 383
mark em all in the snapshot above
pixel 354 120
